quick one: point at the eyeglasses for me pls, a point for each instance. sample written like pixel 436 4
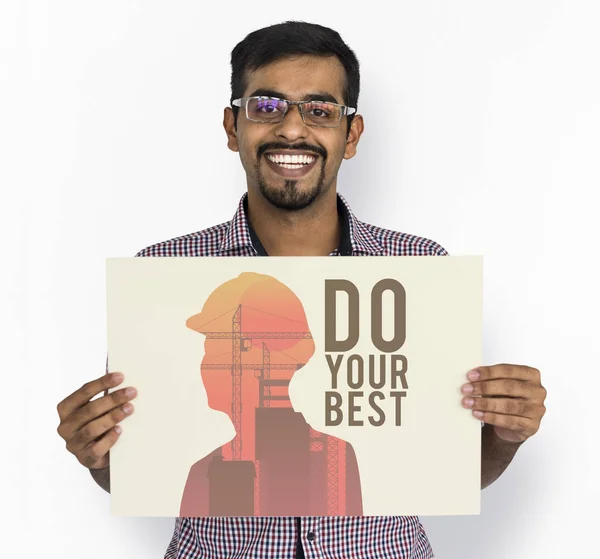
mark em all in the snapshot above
pixel 314 113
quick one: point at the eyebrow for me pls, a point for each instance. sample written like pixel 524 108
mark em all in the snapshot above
pixel 318 96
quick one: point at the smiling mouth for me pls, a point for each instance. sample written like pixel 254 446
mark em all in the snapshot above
pixel 295 165
pixel 291 161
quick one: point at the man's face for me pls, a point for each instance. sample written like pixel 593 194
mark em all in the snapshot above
pixel 262 145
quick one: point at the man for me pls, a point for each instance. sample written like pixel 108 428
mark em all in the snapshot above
pixel 293 120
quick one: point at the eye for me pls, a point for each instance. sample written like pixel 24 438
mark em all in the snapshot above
pixel 268 105
pixel 321 110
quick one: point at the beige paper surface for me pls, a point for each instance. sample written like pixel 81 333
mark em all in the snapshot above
pixel 165 316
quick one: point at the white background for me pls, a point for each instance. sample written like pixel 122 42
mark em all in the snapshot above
pixel 482 133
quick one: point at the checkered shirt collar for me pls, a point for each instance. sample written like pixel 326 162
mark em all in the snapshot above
pixel 362 241
pixel 238 233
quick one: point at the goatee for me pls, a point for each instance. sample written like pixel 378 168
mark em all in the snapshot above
pixel 290 198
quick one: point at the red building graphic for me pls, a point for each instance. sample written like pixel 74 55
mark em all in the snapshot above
pixel 256 337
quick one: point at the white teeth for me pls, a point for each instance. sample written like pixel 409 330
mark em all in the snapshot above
pixel 296 161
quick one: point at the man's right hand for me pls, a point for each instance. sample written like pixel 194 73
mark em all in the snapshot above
pixel 90 429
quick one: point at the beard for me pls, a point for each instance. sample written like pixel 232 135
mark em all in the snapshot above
pixel 290 197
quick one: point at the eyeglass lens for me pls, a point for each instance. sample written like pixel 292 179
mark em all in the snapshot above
pixel 273 110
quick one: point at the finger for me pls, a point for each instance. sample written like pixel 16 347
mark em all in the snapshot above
pixel 522 425
pixel 100 406
pixel 505 406
pixel 93 410
pixel 94 456
pixel 504 370
pixel 84 394
pixel 504 387
pixel 97 428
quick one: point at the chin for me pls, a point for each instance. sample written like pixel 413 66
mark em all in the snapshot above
pixel 289 197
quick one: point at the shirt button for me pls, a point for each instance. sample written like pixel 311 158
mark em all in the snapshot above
pixel 310 536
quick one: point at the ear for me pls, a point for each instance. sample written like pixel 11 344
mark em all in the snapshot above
pixel 229 125
pixel 356 130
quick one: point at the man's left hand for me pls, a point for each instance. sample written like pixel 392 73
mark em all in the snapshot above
pixel 509 397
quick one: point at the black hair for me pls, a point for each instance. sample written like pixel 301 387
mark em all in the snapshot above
pixel 263 46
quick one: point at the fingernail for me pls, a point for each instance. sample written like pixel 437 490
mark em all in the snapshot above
pixel 117 377
pixel 118 429
pixel 127 408
pixel 130 392
pixel 473 375
pixel 478 414
pixel 469 402
pixel 467 388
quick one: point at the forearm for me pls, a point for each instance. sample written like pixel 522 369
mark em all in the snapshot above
pixel 102 478
pixel 496 455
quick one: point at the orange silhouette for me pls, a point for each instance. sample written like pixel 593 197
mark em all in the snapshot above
pixel 257 335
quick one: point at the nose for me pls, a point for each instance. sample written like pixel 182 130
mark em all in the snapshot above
pixel 292 127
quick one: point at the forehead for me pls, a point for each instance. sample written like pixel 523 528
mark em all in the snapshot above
pixel 300 75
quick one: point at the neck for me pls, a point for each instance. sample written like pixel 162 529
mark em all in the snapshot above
pixel 313 231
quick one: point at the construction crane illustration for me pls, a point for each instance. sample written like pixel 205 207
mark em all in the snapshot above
pixel 242 342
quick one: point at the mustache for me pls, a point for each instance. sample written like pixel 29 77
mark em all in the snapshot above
pixel 272 146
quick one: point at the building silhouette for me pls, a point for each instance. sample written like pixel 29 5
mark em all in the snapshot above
pixel 276 464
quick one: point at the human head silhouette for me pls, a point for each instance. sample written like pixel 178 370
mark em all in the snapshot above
pixel 266 305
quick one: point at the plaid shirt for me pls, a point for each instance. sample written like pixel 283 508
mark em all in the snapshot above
pixel 330 537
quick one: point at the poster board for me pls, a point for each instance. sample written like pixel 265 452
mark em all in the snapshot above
pixel 296 386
